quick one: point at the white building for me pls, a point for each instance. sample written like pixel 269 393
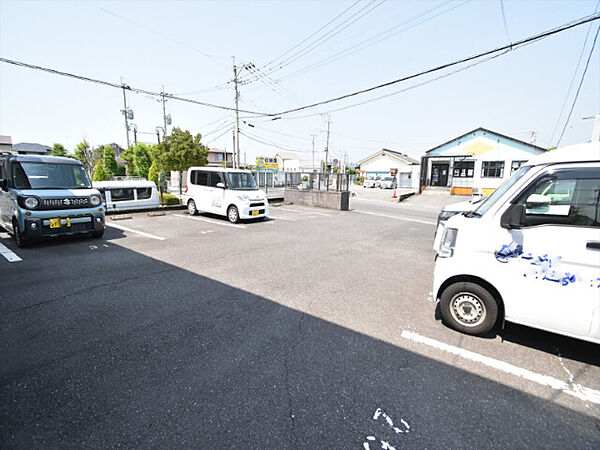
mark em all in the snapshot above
pixel 291 162
pixel 475 163
pixel 386 162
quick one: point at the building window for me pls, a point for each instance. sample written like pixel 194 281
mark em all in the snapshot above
pixel 464 169
pixel 515 165
pixel 492 169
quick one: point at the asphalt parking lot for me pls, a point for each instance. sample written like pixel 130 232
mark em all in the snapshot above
pixel 312 329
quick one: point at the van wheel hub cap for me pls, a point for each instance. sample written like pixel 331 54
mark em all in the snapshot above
pixel 467 309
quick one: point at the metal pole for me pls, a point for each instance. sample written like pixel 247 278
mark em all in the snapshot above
pixel 125 113
pixel 164 111
pixel 313 153
pixel 327 146
pixel 237 116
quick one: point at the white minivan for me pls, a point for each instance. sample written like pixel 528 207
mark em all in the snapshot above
pixel 228 192
pixel 530 252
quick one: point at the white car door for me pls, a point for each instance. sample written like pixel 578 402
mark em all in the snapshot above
pixel 555 274
pixel 216 194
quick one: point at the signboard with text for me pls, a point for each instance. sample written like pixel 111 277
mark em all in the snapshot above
pixel 264 162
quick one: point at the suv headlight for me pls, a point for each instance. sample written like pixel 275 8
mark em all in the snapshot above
pixel 446 249
pixel 95 200
pixel 29 202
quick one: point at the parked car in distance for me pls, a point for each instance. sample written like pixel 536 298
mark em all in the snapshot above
pixel 232 193
pixel 388 183
pixel 127 195
pixel 47 196
pixel 529 253
pixel 369 182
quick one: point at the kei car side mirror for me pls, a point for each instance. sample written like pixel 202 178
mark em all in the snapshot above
pixel 513 217
pixel 220 185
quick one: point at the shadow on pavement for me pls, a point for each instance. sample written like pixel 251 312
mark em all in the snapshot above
pixel 140 353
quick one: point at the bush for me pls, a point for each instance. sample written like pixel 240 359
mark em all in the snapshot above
pixel 169 199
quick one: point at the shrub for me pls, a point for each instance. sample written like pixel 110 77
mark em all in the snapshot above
pixel 169 199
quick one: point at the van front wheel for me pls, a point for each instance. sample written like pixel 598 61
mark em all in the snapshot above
pixel 18 236
pixel 469 307
pixel 233 214
pixel 192 210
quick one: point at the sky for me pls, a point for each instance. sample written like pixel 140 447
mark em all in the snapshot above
pixel 295 53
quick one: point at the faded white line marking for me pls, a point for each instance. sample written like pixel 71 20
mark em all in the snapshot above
pixel 141 233
pixel 282 218
pixel 8 254
pixel 394 217
pixel 576 390
pixel 384 444
pixel 304 212
pixel 215 222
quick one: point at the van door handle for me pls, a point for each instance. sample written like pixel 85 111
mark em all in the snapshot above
pixel 593 245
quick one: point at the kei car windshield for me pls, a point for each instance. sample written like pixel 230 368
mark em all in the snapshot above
pixel 498 193
pixel 34 175
pixel 241 181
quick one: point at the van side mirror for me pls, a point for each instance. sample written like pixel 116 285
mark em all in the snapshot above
pixel 220 185
pixel 4 184
pixel 513 217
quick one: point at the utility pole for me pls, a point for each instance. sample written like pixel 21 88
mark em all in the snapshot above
pixel 164 100
pixel 125 112
pixel 313 152
pixel 236 157
pixel 327 145
pixel 233 156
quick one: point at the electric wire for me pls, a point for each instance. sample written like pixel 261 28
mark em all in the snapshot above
pixel 579 87
pixel 504 49
pixel 562 109
pixel 504 20
pixel 122 86
pixel 272 144
pixel 373 40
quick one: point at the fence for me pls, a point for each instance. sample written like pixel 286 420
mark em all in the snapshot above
pixel 318 181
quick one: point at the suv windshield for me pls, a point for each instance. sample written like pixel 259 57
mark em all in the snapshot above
pixel 38 175
pixel 241 181
pixel 494 196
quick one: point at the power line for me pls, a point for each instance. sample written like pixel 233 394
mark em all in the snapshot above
pixel 504 20
pixel 562 108
pixel 579 87
pixel 504 48
pixel 120 86
pixel 272 144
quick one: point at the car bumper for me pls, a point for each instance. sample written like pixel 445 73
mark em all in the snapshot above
pixel 254 212
pixel 41 224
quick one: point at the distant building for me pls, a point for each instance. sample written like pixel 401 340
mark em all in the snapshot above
pixel 27 148
pixel 475 163
pixel 216 157
pixel 291 162
pixel 387 162
pixel 5 144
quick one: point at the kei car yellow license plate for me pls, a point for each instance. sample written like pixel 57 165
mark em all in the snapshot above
pixel 57 223
pixel 254 213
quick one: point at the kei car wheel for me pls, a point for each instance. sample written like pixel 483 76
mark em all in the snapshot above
pixel 191 207
pixel 17 235
pixel 468 307
pixel 233 214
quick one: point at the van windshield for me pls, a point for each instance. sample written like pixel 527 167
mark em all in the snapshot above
pixel 34 175
pixel 241 181
pixel 498 193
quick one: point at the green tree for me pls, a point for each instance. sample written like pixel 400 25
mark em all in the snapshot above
pixel 153 173
pixel 58 150
pixel 100 173
pixel 121 170
pixel 179 151
pixel 129 158
pixel 87 156
pixel 109 161
pixel 142 159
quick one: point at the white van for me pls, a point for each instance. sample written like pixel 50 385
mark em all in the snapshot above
pixel 127 195
pixel 530 252
pixel 228 192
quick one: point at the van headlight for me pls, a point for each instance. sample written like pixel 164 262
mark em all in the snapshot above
pixel 95 200
pixel 29 202
pixel 446 249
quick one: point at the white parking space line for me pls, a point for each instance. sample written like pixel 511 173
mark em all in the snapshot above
pixel 8 254
pixel 407 219
pixel 281 218
pixel 576 390
pixel 215 222
pixel 141 233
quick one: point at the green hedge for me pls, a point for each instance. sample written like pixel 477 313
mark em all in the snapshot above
pixel 169 199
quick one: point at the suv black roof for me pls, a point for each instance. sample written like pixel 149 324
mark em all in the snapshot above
pixel 42 159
